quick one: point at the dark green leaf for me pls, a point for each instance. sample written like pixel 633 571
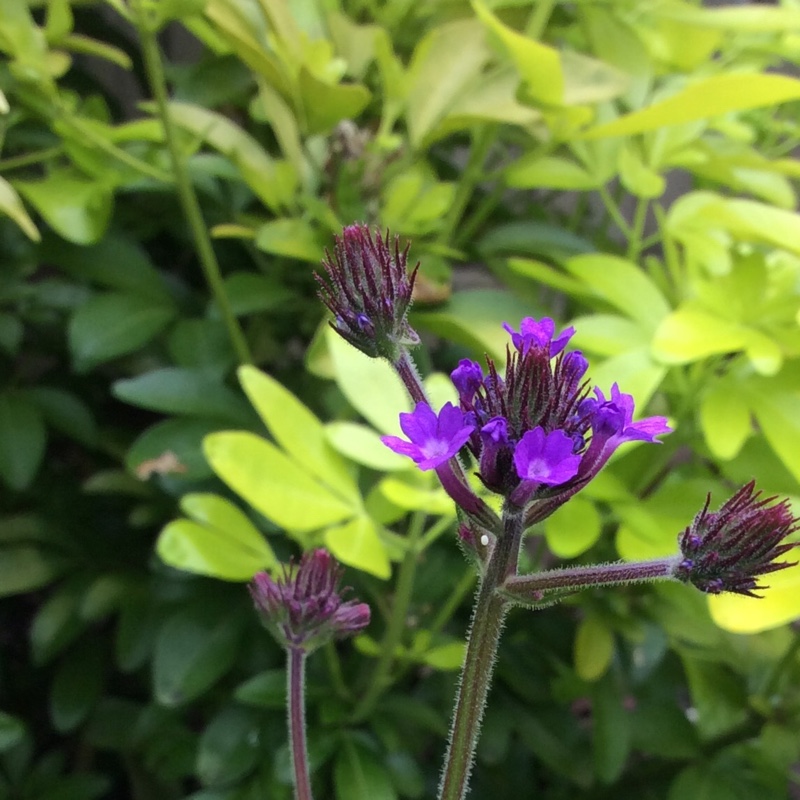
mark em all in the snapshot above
pixel 22 440
pixel 77 685
pixel 359 774
pixel 228 747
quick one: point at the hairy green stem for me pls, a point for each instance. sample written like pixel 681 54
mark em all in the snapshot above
pixel 476 672
pixel 297 723
pixel 191 207
pixel 380 678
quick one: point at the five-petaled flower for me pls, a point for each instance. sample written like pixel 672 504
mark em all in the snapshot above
pixel 303 609
pixel 728 550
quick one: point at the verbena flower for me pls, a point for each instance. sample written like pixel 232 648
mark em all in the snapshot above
pixel 537 433
pixel 368 290
pixel 432 438
pixel 303 609
pixel 727 550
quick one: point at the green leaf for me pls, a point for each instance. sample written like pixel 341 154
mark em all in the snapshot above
pixel 612 729
pixel 573 528
pixel 221 541
pixel 259 171
pixel 202 344
pixel 690 334
pixel 444 66
pixel 112 325
pixel 475 318
pixel 325 104
pixel 359 775
pixel 272 483
pixel 538 64
pixel 533 239
pixel 293 238
pixel 265 690
pixel 708 97
pixel 593 649
pixel 370 385
pixel 25 568
pixel 173 390
pixel 549 172
pixel 11 332
pixel 12 731
pixel 76 208
pixel 445 657
pixel 195 647
pixel 357 544
pixel 22 440
pixel 65 412
pixel 778 415
pixel 416 498
pixel 637 177
pixel 725 419
pixel 77 685
pixel 780 604
pixel 608 335
pixel 180 440
pixel 11 206
pixel 229 747
pixel 297 431
pixel 622 284
pixel 248 293
pixel 362 444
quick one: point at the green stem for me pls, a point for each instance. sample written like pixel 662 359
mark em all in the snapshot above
pixel 335 671
pixel 482 141
pixel 539 18
pixel 453 602
pixel 476 673
pixel 637 229
pixel 191 207
pixel 613 211
pixel 480 215
pixel 17 162
pixel 297 723
pixel 381 677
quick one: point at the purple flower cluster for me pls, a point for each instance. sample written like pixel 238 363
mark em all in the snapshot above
pixel 304 608
pixel 537 433
pixel 727 550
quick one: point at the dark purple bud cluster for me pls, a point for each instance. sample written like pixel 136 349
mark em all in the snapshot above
pixel 304 608
pixel 536 433
pixel 727 550
pixel 368 290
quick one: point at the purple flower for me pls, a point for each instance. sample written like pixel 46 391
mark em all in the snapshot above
pixel 304 608
pixel 615 417
pixel 546 457
pixel 368 290
pixel 726 550
pixel 432 439
pixel 467 377
pixel 539 333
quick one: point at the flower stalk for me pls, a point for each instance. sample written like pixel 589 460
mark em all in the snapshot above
pixel 297 722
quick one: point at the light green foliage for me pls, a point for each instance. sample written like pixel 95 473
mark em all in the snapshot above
pixel 624 167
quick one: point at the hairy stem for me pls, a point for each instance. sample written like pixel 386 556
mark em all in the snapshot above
pixel 188 199
pixel 476 673
pixel 297 723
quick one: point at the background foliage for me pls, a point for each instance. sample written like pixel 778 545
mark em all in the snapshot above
pixel 624 166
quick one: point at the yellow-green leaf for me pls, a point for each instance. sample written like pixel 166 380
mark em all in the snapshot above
pixel 272 483
pixel 573 529
pixel 357 544
pixel 593 648
pixel 11 206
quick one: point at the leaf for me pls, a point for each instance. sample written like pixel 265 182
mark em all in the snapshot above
pixel 259 171
pixel 780 604
pixel 573 528
pixel 194 648
pixel 112 325
pixel 370 385
pixel 593 649
pixel 173 390
pixel 22 440
pixel 608 334
pixel 229 747
pixel 709 97
pixel 265 690
pixel 637 177
pixel 273 483
pixel 77 685
pixel 445 657
pixel 12 731
pixel 549 172
pixel 24 568
pixel 359 775
pixel 325 104
pixel 297 431
pixel 65 412
pixel 221 541
pixel 690 334
pixel 725 419
pixel 293 238
pixel 778 415
pixel 444 66
pixel 612 729
pixel 11 206
pixel 76 208
pixel 538 64
pixel 357 544
pixel 622 284
pixel 362 444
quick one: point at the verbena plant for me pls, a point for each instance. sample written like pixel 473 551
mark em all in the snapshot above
pixel 145 258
